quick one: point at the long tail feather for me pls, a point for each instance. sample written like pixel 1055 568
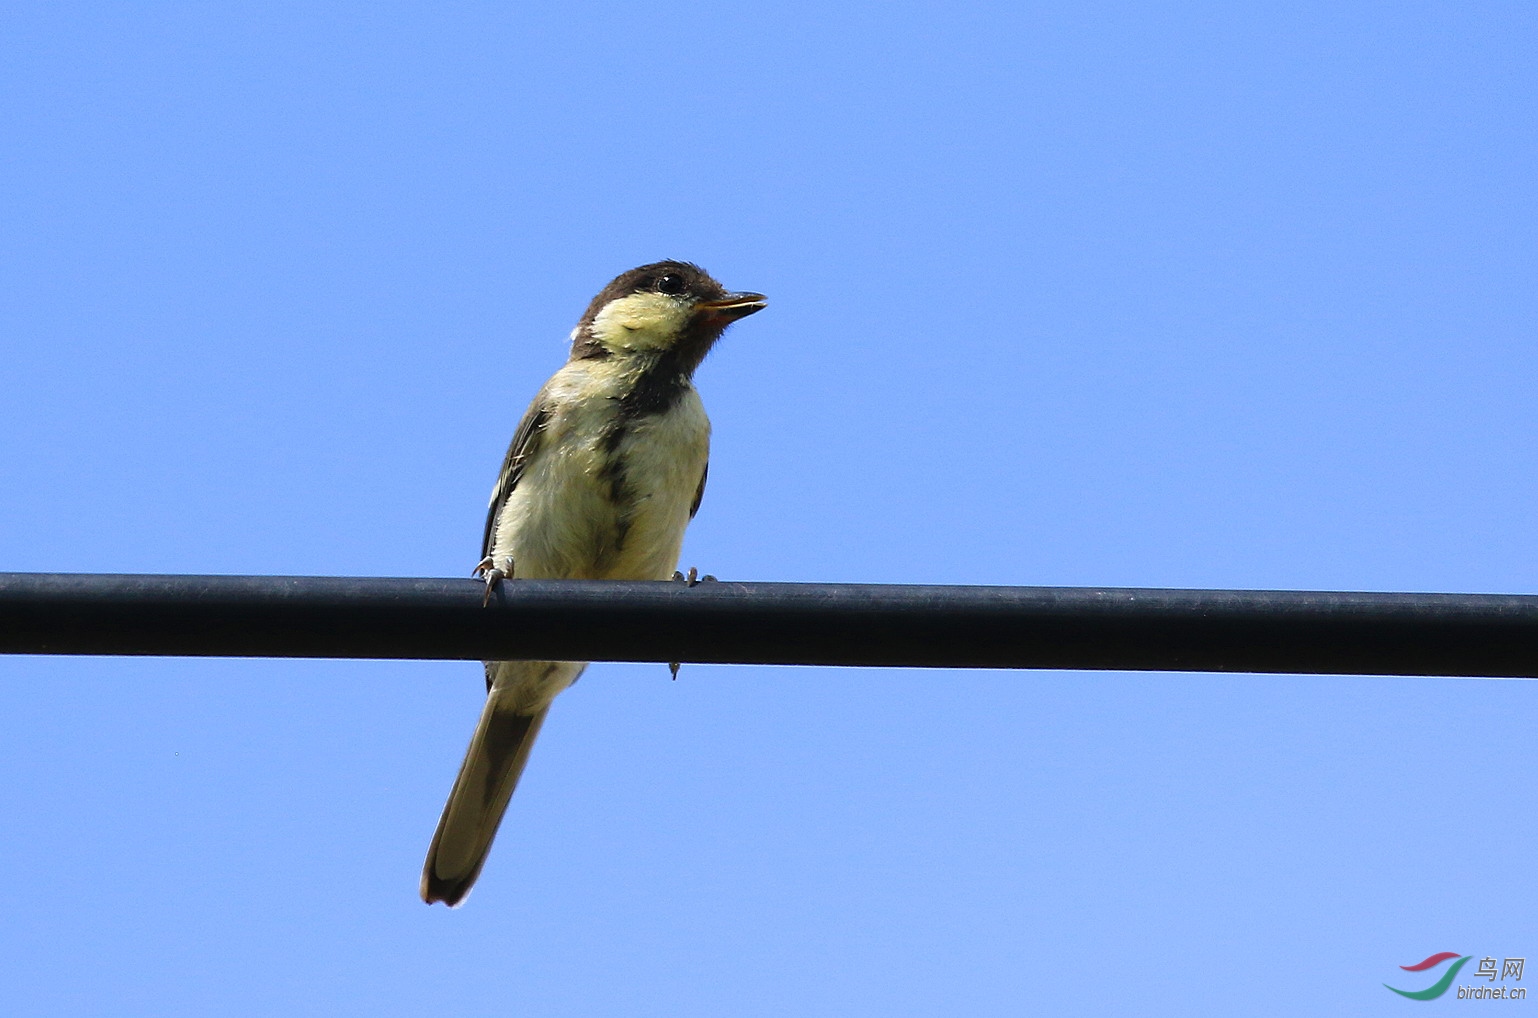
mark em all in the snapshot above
pixel 498 751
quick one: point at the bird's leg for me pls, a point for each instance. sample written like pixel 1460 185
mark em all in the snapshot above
pixel 693 579
pixel 494 574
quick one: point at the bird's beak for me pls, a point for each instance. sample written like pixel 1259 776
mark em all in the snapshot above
pixel 731 307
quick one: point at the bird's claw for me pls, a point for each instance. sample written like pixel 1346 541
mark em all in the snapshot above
pixel 693 579
pixel 494 575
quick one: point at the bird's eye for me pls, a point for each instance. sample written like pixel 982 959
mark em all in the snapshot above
pixel 671 284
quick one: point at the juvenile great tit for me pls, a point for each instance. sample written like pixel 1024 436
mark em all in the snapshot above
pixel 605 471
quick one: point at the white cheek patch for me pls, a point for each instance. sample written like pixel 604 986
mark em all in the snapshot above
pixel 641 321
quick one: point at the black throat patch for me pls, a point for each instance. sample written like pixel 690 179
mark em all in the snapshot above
pixel 657 389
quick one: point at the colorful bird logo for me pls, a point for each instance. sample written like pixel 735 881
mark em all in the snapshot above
pixel 1439 987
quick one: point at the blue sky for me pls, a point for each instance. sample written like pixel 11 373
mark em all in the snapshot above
pixel 1184 294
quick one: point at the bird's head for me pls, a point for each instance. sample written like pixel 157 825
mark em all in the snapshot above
pixel 672 308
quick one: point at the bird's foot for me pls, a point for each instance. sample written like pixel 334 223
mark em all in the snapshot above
pixel 693 579
pixel 494 574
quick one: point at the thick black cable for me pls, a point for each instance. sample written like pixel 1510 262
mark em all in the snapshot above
pixel 773 623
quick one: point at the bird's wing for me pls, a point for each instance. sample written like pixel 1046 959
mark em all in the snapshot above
pixel 525 444
pixel 699 493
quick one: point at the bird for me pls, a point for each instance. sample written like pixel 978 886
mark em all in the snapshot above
pixel 604 473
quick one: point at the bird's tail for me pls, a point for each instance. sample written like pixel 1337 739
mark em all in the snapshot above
pixel 498 751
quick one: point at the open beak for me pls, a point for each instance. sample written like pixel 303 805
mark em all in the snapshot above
pixel 731 307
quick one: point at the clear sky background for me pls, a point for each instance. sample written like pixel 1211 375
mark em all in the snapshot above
pixel 1179 294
